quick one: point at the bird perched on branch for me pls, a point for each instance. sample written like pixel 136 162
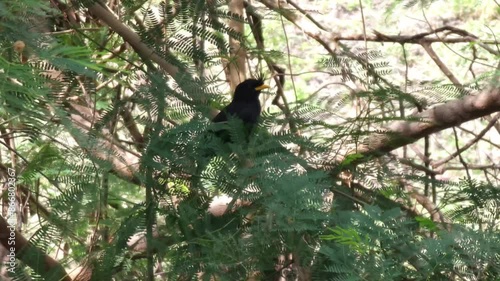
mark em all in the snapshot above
pixel 244 106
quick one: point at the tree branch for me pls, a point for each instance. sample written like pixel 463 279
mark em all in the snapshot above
pixel 441 117
pixel 124 163
pixel 469 144
pixel 428 48
pixel 130 37
pixel 417 38
pixel 35 258
pixel 237 63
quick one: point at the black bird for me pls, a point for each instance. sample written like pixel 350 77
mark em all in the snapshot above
pixel 244 106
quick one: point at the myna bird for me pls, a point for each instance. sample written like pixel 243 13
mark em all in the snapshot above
pixel 244 106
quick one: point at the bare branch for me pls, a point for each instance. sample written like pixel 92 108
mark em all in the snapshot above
pixel 310 29
pixel 469 144
pixel 35 258
pixel 425 201
pixel 130 36
pixel 428 48
pixel 441 117
pixel 124 163
pixel 417 38
pixel 237 65
pixel 131 125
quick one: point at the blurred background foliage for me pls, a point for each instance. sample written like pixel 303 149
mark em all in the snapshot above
pixel 104 119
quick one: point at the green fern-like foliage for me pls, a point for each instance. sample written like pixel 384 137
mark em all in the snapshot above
pixel 392 247
pixel 279 220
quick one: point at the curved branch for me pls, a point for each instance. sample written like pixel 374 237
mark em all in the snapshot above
pixel 130 37
pixel 433 120
pixel 26 252
pixel 123 163
pixel 469 144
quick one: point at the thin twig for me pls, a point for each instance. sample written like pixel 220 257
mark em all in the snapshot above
pixel 461 159
pixel 428 48
pixel 469 144
pixel 474 134
pixel 305 13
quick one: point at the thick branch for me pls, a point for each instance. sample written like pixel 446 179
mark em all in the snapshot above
pixel 237 63
pixel 130 37
pixel 426 202
pixel 441 117
pixel 124 164
pixel 40 262
pixel 131 125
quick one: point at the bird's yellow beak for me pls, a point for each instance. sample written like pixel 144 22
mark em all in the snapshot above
pixel 262 87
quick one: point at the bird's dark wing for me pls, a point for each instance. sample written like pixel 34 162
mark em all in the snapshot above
pixel 221 117
pixel 250 113
pixel 247 112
